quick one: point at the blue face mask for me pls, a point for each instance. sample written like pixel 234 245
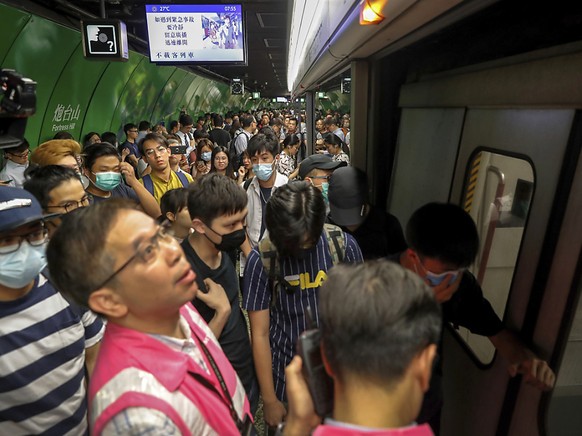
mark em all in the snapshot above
pixel 263 171
pixel 21 267
pixel 436 279
pixel 206 156
pixel 107 181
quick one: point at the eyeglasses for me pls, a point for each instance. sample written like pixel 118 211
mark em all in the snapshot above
pixel 147 251
pixel 320 177
pixel 23 154
pixel 10 244
pixel 152 151
pixel 72 205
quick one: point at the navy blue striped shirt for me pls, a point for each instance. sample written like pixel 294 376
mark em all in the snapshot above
pixel 287 317
pixel 42 357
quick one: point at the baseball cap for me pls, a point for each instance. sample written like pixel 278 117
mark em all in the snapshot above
pixel 319 161
pixel 19 207
pixel 347 196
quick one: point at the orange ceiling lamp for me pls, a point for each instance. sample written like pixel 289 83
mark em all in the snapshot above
pixel 369 13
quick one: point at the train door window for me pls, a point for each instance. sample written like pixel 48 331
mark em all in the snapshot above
pixel 497 195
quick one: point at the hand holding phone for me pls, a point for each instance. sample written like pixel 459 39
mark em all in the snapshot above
pixel 320 384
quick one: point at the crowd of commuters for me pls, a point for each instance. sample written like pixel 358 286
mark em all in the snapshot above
pixel 127 266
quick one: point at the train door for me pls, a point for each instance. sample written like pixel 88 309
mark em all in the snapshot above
pixel 508 171
pixel 499 141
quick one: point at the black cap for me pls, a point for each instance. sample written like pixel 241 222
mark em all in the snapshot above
pixel 320 162
pixel 347 196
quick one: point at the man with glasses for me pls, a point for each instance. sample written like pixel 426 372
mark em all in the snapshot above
pixel 160 368
pixel 156 152
pixel 46 343
pixel 316 169
pixel 442 243
pixel 58 190
pixel 131 134
pixel 15 163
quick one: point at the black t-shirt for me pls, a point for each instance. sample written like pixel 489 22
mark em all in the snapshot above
pixel 220 136
pixel 121 191
pixel 234 338
pixel 380 235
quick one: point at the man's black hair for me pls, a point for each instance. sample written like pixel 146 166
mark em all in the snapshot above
pixel 144 125
pixel 217 120
pixel 375 317
pixel 263 142
pixel 173 201
pixel 213 196
pixel 93 152
pixel 128 127
pixel 246 120
pixel 152 137
pixel 186 120
pixel 109 137
pixel 42 180
pixel 445 232
pixel 294 217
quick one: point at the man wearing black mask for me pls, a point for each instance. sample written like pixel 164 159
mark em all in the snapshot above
pixel 218 209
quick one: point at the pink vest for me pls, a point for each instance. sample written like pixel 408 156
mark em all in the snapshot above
pixel 413 430
pixel 136 370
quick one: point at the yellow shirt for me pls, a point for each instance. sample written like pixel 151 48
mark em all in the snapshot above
pixel 161 187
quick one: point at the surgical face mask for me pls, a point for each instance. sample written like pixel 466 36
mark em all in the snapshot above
pixel 107 181
pixel 324 191
pixel 21 267
pixel 206 156
pixel 229 241
pixel 263 171
pixel 436 279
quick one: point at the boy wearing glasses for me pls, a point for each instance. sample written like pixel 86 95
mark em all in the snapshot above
pixel 156 152
pixel 160 368
pixel 15 163
pixel 45 343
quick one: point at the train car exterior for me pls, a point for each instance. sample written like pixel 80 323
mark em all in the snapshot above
pixel 478 103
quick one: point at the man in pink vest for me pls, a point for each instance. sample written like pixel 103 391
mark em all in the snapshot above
pixel 160 369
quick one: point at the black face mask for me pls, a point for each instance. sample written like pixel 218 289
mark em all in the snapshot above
pixel 230 241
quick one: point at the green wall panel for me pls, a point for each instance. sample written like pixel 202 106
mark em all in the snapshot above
pixel 102 107
pixel 177 98
pixel 138 98
pixel 40 52
pixel 71 95
pixel 13 22
pixel 164 107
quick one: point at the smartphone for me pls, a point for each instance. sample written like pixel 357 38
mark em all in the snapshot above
pixel 320 384
pixel 178 149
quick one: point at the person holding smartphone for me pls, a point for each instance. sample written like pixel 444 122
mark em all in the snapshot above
pixel 379 324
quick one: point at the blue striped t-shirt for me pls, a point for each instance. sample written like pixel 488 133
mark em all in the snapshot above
pixel 287 317
pixel 42 357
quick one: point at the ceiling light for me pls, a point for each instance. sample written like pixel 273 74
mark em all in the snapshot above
pixel 369 14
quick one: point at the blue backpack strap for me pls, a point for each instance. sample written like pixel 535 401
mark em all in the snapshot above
pixel 182 178
pixel 148 183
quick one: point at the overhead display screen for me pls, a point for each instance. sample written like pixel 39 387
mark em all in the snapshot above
pixel 191 34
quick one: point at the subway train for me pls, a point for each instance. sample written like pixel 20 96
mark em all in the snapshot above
pixel 474 102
